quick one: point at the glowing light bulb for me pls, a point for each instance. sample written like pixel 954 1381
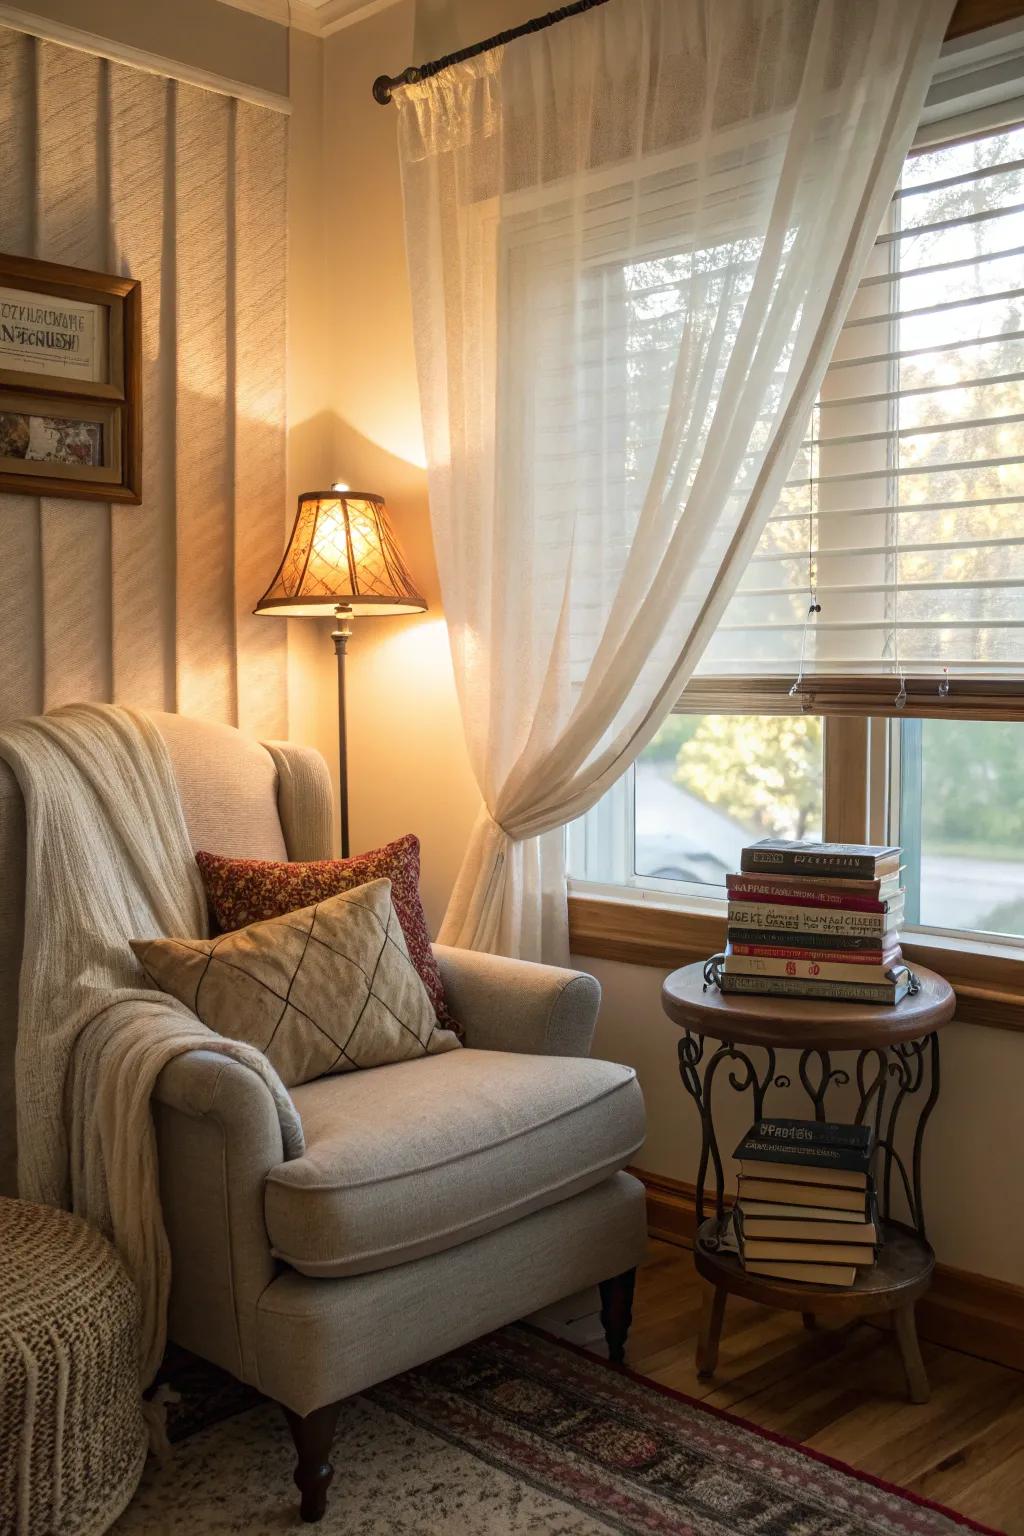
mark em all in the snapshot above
pixel 340 487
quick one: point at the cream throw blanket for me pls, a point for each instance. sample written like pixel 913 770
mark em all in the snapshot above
pixel 108 860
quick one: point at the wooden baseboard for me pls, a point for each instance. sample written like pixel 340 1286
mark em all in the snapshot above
pixel 963 1311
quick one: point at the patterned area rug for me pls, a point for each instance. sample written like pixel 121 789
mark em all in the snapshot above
pixel 515 1434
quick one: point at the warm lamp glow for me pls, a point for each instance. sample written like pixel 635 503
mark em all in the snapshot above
pixel 341 554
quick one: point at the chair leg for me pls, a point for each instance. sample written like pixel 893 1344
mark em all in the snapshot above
pixel 617 1312
pixel 313 1436
pixel 712 1317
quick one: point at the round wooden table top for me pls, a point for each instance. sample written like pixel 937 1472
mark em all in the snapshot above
pixel 743 1019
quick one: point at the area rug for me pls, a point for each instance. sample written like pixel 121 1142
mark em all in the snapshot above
pixel 515 1434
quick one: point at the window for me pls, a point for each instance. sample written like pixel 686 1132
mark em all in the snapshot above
pixel 904 515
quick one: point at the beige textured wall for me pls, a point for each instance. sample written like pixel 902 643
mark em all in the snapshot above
pixel 117 169
pixel 407 756
pixel 310 653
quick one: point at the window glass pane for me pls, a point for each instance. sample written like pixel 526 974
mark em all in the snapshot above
pixel 707 784
pixel 962 824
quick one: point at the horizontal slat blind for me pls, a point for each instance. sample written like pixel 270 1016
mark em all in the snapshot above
pixel 906 505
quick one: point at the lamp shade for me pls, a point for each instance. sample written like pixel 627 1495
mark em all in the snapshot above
pixel 342 553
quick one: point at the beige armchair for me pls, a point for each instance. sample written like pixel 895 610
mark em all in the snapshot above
pixel 436 1199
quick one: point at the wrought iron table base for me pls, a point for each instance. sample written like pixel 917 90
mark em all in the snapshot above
pixel 887 1080
pixel 891 1081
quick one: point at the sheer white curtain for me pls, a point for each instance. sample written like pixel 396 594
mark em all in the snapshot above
pixel 632 239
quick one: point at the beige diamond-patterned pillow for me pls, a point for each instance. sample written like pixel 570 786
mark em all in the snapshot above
pixel 329 988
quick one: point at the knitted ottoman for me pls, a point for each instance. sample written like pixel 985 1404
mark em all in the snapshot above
pixel 72 1438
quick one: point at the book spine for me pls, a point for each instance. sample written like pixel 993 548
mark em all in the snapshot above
pixel 870 888
pixel 860 957
pixel 828 1133
pixel 826 991
pixel 811 969
pixel 797 919
pixel 846 866
pixel 760 937
pixel 849 1159
pixel 811 896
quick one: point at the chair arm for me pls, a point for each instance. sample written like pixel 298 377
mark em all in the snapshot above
pixel 515 1005
pixel 218 1136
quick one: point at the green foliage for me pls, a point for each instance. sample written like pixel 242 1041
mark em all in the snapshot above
pixel 973 787
pixel 664 747
pixel 763 771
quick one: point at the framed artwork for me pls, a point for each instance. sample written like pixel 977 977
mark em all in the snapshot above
pixel 70 382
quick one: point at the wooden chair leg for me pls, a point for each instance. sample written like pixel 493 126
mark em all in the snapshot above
pixel 617 1312
pixel 910 1352
pixel 313 1436
pixel 712 1317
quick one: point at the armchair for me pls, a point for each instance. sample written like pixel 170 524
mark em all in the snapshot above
pixel 436 1200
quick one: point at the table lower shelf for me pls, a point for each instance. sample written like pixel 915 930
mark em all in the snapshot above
pixel 900 1275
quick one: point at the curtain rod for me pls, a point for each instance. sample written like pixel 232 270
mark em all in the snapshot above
pixel 384 85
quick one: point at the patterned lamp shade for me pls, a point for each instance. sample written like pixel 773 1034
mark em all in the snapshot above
pixel 341 554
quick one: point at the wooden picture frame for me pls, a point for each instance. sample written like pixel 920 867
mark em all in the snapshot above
pixel 70 382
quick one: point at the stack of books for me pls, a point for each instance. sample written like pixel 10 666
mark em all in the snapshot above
pixel 817 920
pixel 805 1209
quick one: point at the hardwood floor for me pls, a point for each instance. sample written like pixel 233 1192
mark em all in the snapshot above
pixel 843 1393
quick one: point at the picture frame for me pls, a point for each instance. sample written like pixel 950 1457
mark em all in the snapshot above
pixel 70 382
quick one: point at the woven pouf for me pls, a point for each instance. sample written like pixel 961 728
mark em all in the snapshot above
pixel 72 1438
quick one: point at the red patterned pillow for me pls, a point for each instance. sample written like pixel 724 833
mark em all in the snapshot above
pixel 243 891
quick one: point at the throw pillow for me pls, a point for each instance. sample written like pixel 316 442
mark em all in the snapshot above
pixel 242 891
pixel 329 988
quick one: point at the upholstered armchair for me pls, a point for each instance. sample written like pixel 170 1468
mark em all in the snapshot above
pixel 437 1199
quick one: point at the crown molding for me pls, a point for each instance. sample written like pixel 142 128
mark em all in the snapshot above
pixel 123 53
pixel 320 18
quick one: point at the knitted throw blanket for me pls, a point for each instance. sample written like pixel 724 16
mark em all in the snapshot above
pixel 108 860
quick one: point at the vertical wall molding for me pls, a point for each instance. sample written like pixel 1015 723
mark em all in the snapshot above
pixel 113 168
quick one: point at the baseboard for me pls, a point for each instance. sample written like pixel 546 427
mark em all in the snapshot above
pixel 963 1311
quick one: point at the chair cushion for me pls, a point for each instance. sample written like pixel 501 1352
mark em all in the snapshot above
pixel 415 1158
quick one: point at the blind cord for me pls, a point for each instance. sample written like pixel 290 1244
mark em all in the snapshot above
pixel 813 605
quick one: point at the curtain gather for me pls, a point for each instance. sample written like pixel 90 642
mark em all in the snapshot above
pixel 632 240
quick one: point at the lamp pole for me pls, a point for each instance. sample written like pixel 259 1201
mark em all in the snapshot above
pixel 340 634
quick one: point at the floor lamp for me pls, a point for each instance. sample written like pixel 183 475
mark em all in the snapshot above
pixel 342 559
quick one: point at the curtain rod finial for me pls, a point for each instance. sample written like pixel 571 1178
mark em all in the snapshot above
pixel 382 90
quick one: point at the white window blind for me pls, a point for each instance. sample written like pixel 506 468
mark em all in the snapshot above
pixel 905 508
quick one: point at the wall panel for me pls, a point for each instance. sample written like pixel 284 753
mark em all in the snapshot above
pixel 109 168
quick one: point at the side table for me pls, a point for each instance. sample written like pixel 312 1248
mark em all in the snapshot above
pixel 895 1076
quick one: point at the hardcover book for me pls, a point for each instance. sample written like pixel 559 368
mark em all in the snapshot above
pixel 811 967
pixel 860 957
pixel 813 1253
pixel 807 1228
pixel 792 918
pixel 819 1195
pixel 858 861
pixel 806 894
pixel 889 993
pixel 804 1138
pixel 877 890
pixel 804 940
pixel 782 1210
pixel 841 1275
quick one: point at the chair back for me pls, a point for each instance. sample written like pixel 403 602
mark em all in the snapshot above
pixel 240 798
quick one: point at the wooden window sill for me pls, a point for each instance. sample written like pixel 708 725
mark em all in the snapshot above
pixel 988 978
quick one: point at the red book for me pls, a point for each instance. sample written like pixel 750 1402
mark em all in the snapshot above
pixel 754 888
pixel 884 957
